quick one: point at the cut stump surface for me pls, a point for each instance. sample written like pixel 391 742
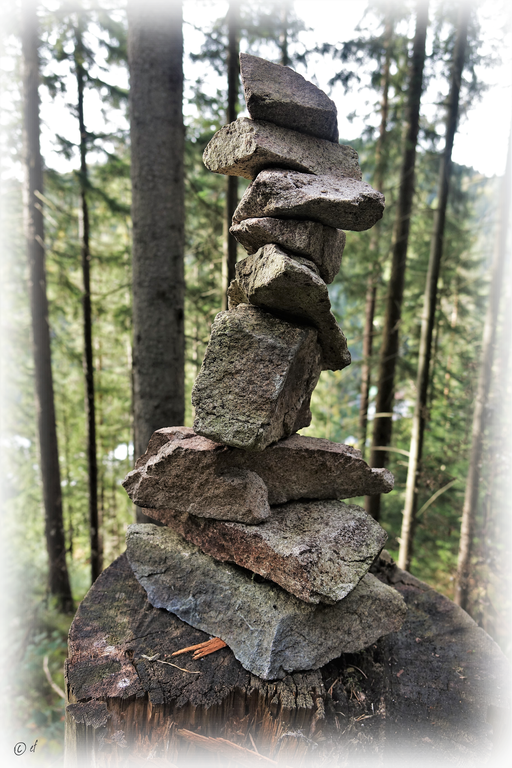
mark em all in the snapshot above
pixel 439 689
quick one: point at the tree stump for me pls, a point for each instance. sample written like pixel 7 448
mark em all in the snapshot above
pixel 438 690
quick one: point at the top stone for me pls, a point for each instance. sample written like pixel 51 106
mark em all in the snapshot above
pixel 283 97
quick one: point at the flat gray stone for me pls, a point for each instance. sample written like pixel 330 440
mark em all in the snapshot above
pixel 339 203
pixel 269 631
pixel 282 96
pixel 246 147
pixel 179 464
pixel 323 245
pixel 256 380
pixel 316 550
pixel 275 281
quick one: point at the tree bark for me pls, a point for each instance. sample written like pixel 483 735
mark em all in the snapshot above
pixel 233 68
pixel 462 587
pixel 371 288
pixel 88 361
pixel 382 425
pixel 34 235
pixel 420 416
pixel 155 56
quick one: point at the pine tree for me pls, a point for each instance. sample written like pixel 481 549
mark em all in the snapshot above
pixel 419 420
pixel 389 347
pixel 34 232
pixel 230 243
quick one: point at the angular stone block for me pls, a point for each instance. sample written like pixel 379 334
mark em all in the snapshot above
pixel 338 203
pixel 235 295
pixel 269 631
pixel 282 96
pixel 316 550
pixel 246 147
pixel 273 280
pixel 179 464
pixel 323 245
pixel 256 380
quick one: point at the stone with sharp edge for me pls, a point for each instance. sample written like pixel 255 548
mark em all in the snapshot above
pixel 323 245
pixel 269 631
pixel 179 464
pixel 282 96
pixel 256 380
pixel 275 281
pixel 316 550
pixel 245 147
pixel 339 203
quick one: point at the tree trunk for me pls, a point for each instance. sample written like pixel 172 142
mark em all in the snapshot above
pixel 283 37
pixel 428 690
pixel 155 54
pixel 34 233
pixel 371 288
pixel 90 414
pixel 484 383
pixel 233 67
pixel 382 425
pixel 430 298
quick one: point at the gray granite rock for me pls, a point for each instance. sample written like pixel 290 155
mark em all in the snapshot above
pixel 316 550
pixel 269 631
pixel 339 203
pixel 179 464
pixel 246 147
pixel 273 280
pixel 256 380
pixel 323 245
pixel 282 96
pixel 235 295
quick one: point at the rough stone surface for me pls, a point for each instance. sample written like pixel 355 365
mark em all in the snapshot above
pixel 339 203
pixel 323 245
pixel 282 96
pixel 235 295
pixel 179 464
pixel 256 380
pixel 273 280
pixel 245 147
pixel 269 631
pixel 316 550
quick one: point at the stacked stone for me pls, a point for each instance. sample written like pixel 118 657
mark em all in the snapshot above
pixel 256 546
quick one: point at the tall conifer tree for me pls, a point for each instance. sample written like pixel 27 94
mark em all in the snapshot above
pixel 34 232
pixel 88 363
pixel 230 243
pixel 389 347
pixel 430 297
pixel 155 57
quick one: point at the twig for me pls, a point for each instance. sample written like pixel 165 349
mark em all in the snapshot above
pixel 360 670
pixel 49 678
pixel 223 745
pixel 253 744
pixel 153 658
pixel 436 496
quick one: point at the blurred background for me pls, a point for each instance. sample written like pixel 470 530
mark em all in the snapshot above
pixel 424 95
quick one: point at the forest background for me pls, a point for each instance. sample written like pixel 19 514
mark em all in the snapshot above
pixel 345 48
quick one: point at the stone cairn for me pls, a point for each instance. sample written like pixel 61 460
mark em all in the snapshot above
pixel 256 548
